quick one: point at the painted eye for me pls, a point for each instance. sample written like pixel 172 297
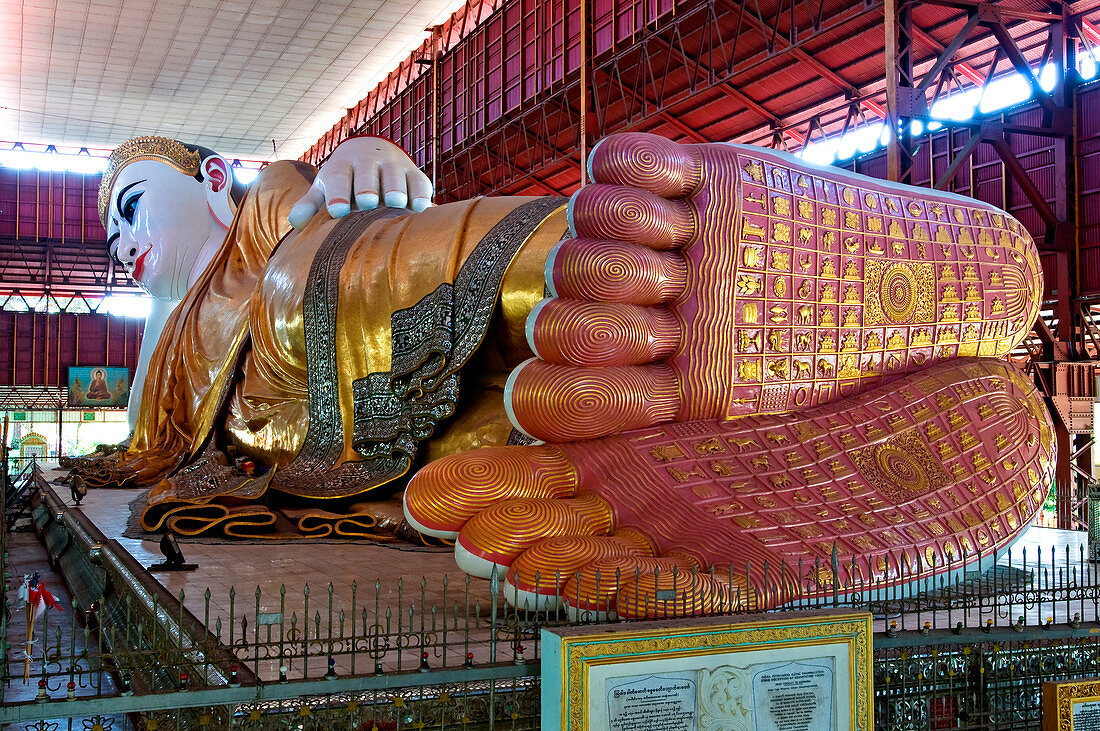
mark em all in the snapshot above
pixel 129 207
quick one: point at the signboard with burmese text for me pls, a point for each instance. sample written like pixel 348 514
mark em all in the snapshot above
pixel 1071 705
pixel 797 671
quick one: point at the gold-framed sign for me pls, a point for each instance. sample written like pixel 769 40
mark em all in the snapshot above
pixel 795 671
pixel 1071 705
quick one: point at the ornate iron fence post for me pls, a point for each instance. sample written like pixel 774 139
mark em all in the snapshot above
pixel 1094 520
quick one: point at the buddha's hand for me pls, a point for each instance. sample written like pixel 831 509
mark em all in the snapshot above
pixel 719 281
pixel 364 171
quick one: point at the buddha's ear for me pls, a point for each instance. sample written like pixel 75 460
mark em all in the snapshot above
pixel 217 177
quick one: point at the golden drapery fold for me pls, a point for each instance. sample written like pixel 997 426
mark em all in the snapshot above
pixel 231 373
pixel 198 350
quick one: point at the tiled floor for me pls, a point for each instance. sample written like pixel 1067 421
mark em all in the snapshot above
pixel 407 590
pixel 270 565
pixel 54 632
pixel 410 592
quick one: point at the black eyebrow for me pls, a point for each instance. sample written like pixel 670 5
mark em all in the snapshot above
pixel 113 254
pixel 118 198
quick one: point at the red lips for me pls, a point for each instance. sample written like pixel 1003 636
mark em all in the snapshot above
pixel 139 266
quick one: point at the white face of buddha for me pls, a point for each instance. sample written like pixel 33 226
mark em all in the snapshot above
pixel 158 221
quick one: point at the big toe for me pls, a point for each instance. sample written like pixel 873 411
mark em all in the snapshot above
pixel 446 493
pixel 646 161
pixel 537 577
pixel 491 540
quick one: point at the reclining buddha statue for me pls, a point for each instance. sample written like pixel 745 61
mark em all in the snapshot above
pixel 323 357
pixel 712 354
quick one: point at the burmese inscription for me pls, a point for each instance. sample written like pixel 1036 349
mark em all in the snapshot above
pixel 653 703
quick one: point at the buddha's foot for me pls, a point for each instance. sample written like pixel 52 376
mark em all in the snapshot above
pixel 909 480
pixel 717 281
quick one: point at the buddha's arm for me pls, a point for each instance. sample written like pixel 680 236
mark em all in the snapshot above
pixel 154 325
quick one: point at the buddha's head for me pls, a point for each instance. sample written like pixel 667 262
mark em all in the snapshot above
pixel 161 201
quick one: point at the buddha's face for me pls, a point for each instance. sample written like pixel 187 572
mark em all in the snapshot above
pixel 158 221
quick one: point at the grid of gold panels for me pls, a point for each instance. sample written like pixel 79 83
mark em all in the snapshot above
pixel 841 280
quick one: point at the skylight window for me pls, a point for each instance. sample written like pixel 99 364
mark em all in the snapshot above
pixel 1002 93
pixel 127 305
pixel 52 158
pixel 244 176
pixel 116 305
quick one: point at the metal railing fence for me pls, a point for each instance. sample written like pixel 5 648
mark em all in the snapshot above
pixel 968 648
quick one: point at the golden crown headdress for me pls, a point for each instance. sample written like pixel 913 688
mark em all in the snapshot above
pixel 143 148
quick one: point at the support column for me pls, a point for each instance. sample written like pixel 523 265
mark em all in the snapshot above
pixel 901 92
pixel 434 89
pixel 585 80
pixel 1062 238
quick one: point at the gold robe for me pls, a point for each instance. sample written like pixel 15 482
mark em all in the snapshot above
pixel 286 352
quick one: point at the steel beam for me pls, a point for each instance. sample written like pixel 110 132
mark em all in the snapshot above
pixel 1016 169
pixel 785 44
pixel 948 52
pixel 661 113
pixel 1003 10
pixel 962 156
pixel 724 86
pixel 963 68
pixel 530 176
pixel 1063 475
pixel 585 66
pixel 487 152
pixel 1064 238
pixel 1016 56
pixel 901 94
